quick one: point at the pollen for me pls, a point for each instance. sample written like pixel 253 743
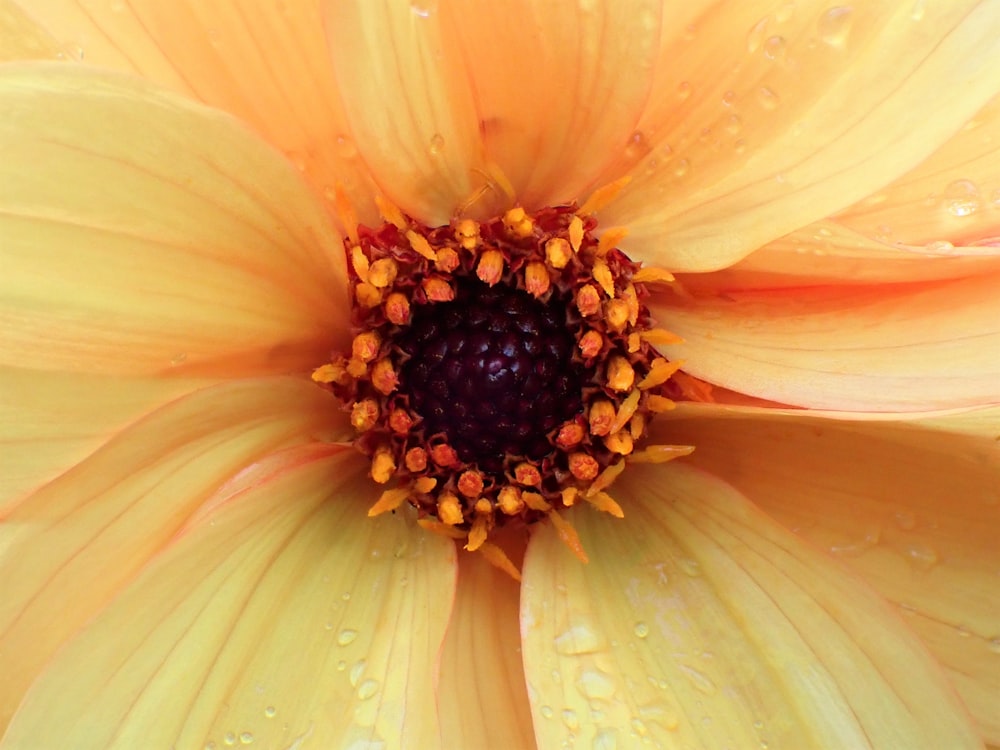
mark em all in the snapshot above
pixel 500 371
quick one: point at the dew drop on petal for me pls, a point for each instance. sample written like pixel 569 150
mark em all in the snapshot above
pixel 961 198
pixel 641 630
pixel 595 684
pixel 698 680
pixel 346 636
pixel 918 10
pixel 757 35
pixel 367 689
pixel 580 638
pixel 570 719
pixel 775 47
pixel 834 25
pixel 606 739
pixel 767 98
pixel 994 645
pixel 546 711
pixel 270 712
pixel 436 145
pixel 246 738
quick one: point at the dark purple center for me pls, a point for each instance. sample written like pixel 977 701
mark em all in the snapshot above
pixel 493 370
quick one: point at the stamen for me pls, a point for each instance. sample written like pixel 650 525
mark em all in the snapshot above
pixel 658 454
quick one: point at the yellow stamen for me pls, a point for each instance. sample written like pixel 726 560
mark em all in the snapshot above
pixel 383 465
pixel 345 211
pixel 629 407
pixel 659 454
pixel 576 233
pixel 331 373
pixel 569 536
pixel 384 377
pixel 652 275
pixel 490 266
pixel 467 234
pixel 610 239
pixel 602 274
pixel 383 272
pixel 620 376
pixel 477 535
pixel 437 289
pixel 509 500
pixel 605 480
pixel 603 196
pixel 632 298
pixel 498 559
pixel 357 368
pixel 591 344
pixel 441 529
pixel 447 260
pixel 397 308
pixel 389 500
pixel 420 245
pixel 400 421
pixel 423 485
pixel 558 252
pixel 659 404
pixel 364 414
pixel 619 442
pixel 367 295
pixel 449 509
pixel 637 427
pixel 359 262
pixel 470 483
pixel 535 501
pixel 583 466
pixel 415 459
pixel 527 475
pixel 604 501
pixel 365 346
pixel 518 223
pixel 616 314
pixel 536 279
pixel 634 343
pixel 588 300
pixel 601 416
pixel 569 496
pixel 660 336
pixel 390 212
pixel 659 372
pixel 570 435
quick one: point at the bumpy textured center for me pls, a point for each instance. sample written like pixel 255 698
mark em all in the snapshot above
pixel 493 370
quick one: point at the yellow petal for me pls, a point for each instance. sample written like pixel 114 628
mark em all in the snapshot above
pixel 265 63
pixel 287 616
pixel 700 622
pixel 21 38
pixel 762 120
pixel 144 234
pixel 408 103
pixel 912 347
pixel 558 85
pixel 66 549
pixel 481 691
pixel 910 506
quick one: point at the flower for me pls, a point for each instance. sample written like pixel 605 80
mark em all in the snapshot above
pixel 185 555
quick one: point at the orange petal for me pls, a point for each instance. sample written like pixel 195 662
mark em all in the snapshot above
pixel 408 103
pixel 910 506
pixel 764 120
pixel 700 622
pixel 198 250
pixel 265 63
pixel 286 617
pixel 898 348
pixel 558 86
pixel 69 547
pixel 481 694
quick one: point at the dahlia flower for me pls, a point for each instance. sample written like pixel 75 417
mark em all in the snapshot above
pixel 186 552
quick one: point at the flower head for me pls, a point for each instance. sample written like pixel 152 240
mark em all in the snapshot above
pixel 187 554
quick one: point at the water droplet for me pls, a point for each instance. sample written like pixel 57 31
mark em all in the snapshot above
pixel 341 665
pixel 699 680
pixel 739 145
pixel 689 566
pixel 961 198
pixel 347 636
pixel 606 739
pixel 546 711
pixel 328 625
pixel 767 98
pixel 757 35
pixel 639 727
pixel 178 359
pixel 436 145
pixel 994 645
pixel 367 689
pixel 637 146
pixel 905 520
pixel 346 596
pixel 581 638
pixel 834 25
pixel 641 630
pixel 734 124
pixel 923 556
pixel 595 684
pixel 682 167
pixel 357 669
pixel 345 147
pixel 556 676
pixel 775 48
pixel 210 745
pixel 684 90
pixel 270 712
pixel 246 738
pixel 423 8
pixel 229 738
pixel 940 247
pixel 570 719
pixel 918 10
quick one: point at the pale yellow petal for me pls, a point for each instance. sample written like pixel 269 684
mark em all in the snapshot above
pixel 21 38
pixel 481 694
pixel 145 234
pixel 767 118
pixel 266 63
pixel 558 86
pixel 900 348
pixel 913 507
pixel 700 622
pixel 286 617
pixel 408 103
pixel 67 549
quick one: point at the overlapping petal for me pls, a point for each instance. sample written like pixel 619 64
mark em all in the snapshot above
pixel 174 242
pixel 736 634
pixel 266 63
pixel 765 120
pixel 68 548
pixel 911 506
pixel 211 644
pixel 906 347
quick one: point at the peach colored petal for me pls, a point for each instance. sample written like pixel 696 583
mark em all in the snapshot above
pixel 767 118
pixel 481 697
pixel 827 252
pixel 266 63
pixel 558 86
pixel 916 347
pixel 50 421
pixel 21 38
pixel 287 617
pixel 700 622
pixel 913 507
pixel 952 197
pixel 68 548
pixel 144 234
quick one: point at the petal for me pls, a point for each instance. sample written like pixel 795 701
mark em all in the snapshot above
pixel 408 104
pixel 68 548
pixel 827 252
pixel 50 422
pixel 201 252
pixel 762 122
pixel 953 197
pixel 915 347
pixel 286 617
pixel 559 86
pixel 910 506
pixel 21 38
pixel 481 695
pixel 699 622
pixel 266 63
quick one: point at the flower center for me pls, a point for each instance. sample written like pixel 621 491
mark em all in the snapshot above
pixel 501 370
